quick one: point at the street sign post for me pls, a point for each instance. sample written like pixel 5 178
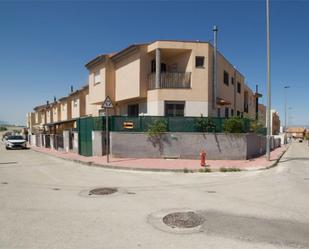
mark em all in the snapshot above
pixel 107 104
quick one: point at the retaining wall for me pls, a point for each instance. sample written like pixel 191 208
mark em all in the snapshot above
pixel 187 145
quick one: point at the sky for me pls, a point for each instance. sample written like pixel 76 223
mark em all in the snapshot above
pixel 44 45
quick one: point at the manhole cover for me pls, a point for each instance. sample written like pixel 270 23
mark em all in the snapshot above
pixel 56 188
pixel 103 191
pixel 183 220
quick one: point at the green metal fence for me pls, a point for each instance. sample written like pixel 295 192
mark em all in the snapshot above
pixel 174 124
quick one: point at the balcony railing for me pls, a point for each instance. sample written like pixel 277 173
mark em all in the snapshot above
pixel 170 80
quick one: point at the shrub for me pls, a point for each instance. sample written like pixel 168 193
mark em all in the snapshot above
pixel 185 170
pixel 205 124
pixel 3 128
pixel 234 125
pixel 204 170
pixel 157 127
pixel 229 169
pixel 256 126
pixel 307 137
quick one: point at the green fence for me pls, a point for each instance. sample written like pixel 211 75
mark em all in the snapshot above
pixel 174 124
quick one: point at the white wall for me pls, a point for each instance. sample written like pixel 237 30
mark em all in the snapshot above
pixel 196 108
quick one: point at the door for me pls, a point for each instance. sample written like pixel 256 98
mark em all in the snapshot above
pixel 85 127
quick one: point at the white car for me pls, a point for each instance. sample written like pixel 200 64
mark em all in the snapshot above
pixel 15 141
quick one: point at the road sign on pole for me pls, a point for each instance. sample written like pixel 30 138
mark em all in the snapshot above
pixel 107 104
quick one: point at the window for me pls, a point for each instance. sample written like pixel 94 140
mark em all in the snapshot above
pixel 133 110
pixel 238 87
pixel 153 67
pixel 97 77
pixel 163 67
pixel 218 113
pixel 199 61
pixel 232 80
pixel 226 78
pixel 238 113
pixel 174 108
pixel 232 112
pixel 75 102
pixel 226 112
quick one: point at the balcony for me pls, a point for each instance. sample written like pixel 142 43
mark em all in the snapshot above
pixel 170 80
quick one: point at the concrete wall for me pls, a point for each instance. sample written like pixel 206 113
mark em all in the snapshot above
pixel 187 145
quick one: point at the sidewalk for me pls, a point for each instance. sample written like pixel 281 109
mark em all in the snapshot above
pixel 178 165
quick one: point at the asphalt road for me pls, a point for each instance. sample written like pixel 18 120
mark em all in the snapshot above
pixel 44 204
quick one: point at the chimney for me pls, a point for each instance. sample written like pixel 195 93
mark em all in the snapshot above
pixel 47 103
pixel 55 99
pixel 71 89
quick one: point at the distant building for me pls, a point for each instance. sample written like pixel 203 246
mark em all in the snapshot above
pixel 296 132
pixel 274 122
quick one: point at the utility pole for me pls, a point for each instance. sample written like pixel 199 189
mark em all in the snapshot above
pixel 215 93
pixel 285 107
pixel 268 82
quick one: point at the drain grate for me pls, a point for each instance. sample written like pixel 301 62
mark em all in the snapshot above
pixel 4 183
pixel 56 188
pixel 9 163
pixel 211 191
pixel 183 220
pixel 103 191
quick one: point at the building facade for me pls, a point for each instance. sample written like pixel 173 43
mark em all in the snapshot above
pixel 161 78
pixel 169 78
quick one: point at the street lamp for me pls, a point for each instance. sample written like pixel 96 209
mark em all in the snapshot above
pixel 285 107
pixel 268 83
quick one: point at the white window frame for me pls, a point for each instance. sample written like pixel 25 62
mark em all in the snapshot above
pixel 96 77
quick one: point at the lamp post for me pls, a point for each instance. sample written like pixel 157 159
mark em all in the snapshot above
pixel 268 83
pixel 285 107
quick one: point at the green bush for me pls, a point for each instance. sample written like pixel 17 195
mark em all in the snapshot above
pixel 3 128
pixel 234 125
pixel 204 170
pixel 256 126
pixel 229 169
pixel 185 170
pixel 205 125
pixel 157 127
pixel 307 137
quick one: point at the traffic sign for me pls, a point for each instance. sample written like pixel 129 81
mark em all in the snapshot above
pixel 107 103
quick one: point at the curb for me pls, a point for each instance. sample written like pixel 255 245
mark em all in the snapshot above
pixel 110 166
pixel 277 160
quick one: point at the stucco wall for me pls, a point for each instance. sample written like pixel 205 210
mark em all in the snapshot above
pixel 127 78
pixel 187 145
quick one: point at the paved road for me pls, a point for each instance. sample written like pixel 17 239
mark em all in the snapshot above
pixel 43 205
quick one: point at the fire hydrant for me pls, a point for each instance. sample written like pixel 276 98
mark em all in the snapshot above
pixel 203 158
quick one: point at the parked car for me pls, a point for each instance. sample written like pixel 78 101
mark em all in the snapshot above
pixel 15 141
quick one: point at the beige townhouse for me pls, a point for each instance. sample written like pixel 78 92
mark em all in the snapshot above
pixel 77 101
pixel 65 109
pixel 275 122
pixel 40 116
pixel 262 114
pixel 56 111
pixel 168 78
pixel 30 119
